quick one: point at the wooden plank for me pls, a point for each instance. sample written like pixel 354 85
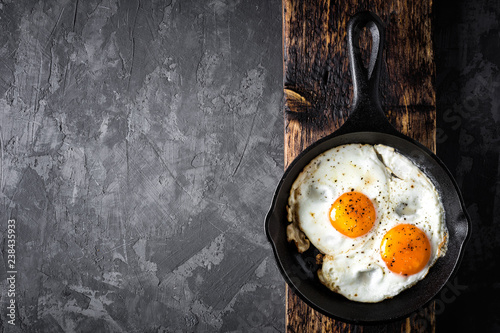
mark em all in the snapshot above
pixel 318 90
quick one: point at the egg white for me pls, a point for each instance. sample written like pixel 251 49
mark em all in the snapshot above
pixel 329 175
pixel 400 192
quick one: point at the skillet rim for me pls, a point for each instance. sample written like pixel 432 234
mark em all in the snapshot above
pixel 461 239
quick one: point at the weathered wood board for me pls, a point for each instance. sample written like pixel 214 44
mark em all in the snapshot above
pixel 318 92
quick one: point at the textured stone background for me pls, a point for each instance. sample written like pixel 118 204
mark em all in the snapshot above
pixel 467 49
pixel 141 143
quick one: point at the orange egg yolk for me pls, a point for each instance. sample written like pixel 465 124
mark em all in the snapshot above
pixel 405 249
pixel 352 214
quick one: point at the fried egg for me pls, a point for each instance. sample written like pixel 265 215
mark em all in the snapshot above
pixel 375 216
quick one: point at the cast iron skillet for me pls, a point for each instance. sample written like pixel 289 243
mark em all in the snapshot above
pixel 366 124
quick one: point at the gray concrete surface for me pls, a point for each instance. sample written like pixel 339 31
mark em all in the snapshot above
pixel 467 45
pixel 141 142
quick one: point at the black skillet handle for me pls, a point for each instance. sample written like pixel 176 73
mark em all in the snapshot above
pixel 365 80
pixel 366 113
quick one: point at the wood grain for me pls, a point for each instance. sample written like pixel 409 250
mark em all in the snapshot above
pixel 318 92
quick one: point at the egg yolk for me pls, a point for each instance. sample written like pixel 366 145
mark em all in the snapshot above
pixel 405 249
pixel 352 214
